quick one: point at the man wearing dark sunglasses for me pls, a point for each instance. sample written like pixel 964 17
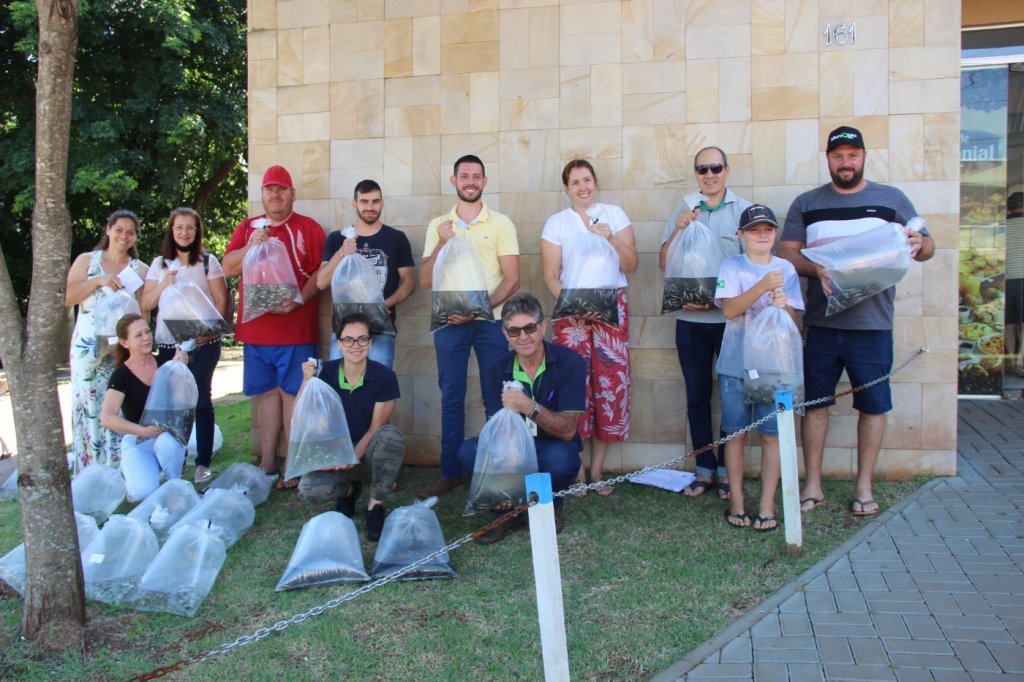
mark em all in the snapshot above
pixel 699 326
pixel 552 399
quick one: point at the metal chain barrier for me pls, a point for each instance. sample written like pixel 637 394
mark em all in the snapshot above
pixel 280 625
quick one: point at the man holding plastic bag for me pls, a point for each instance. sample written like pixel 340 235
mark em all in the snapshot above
pixel 551 401
pixel 858 339
pixel 277 342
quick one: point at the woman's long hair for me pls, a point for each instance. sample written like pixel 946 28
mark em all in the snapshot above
pixel 169 250
pixel 119 352
pixel 113 218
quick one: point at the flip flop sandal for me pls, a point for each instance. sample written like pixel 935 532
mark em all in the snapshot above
pixel 762 520
pixel 857 507
pixel 698 488
pixel 744 520
pixel 724 492
pixel 815 502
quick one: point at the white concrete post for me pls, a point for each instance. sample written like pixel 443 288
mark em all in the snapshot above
pixel 790 474
pixel 547 578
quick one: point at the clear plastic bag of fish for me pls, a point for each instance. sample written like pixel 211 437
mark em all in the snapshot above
pixel 166 506
pixel 773 357
pixel 862 265
pixel 247 479
pixel 268 281
pixel 590 279
pixel 410 534
pixel 319 437
pixel 172 400
pixel 459 286
pixel 505 454
pixel 116 558
pixel 97 491
pixel 187 313
pixel 327 552
pixel 218 441
pixel 112 307
pixel 229 512
pixel 9 490
pixel 691 268
pixel 356 288
pixel 12 564
pixel 183 573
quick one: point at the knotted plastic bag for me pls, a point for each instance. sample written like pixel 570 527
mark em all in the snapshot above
pixel 246 479
pixel 319 437
pixel 505 454
pixel 183 573
pixel 590 279
pixel 166 506
pixel 12 565
pixel 773 358
pixel 116 558
pixel 187 313
pixel 97 491
pixel 862 265
pixel 691 268
pixel 355 288
pixel 172 401
pixel 327 552
pixel 112 307
pixel 229 512
pixel 460 287
pixel 268 281
pixel 411 533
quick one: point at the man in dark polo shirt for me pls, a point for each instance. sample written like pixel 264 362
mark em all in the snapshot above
pixel 551 401
pixel 368 390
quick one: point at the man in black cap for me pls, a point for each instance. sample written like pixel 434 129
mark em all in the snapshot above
pixel 858 339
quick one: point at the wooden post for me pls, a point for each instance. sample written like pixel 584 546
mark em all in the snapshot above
pixel 547 577
pixel 790 474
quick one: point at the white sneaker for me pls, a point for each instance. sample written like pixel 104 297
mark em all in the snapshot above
pixel 202 474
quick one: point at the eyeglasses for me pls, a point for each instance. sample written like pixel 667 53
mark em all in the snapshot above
pixel 715 168
pixel 513 332
pixel 360 341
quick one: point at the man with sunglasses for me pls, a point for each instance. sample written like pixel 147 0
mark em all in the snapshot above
pixel 368 390
pixel 552 399
pixel 699 326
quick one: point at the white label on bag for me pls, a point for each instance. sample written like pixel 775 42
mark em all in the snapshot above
pixel 97 558
pixel 752 373
pixel 130 280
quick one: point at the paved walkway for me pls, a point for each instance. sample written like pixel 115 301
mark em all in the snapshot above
pixel 932 590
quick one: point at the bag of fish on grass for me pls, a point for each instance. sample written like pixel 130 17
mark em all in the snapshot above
pixel 97 491
pixel 410 534
pixel 590 279
pixel 864 264
pixel 112 307
pixel 319 437
pixel 166 506
pixel 505 455
pixel 356 288
pixel 773 357
pixel 327 552
pixel 692 263
pixel 229 512
pixel 187 313
pixel 172 400
pixel 116 558
pixel 184 571
pixel 246 479
pixel 268 281
pixel 459 285
pixel 12 565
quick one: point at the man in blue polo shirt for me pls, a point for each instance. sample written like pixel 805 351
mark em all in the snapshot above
pixel 368 391
pixel 551 401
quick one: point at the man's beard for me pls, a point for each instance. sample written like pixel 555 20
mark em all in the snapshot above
pixel 854 180
pixel 468 198
pixel 369 217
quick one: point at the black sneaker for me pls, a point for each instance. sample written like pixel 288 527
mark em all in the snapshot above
pixel 374 522
pixel 347 504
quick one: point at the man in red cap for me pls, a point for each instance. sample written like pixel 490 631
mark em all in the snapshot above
pixel 278 342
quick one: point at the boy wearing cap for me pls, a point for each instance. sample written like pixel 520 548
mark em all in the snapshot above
pixel 858 339
pixel 277 343
pixel 747 284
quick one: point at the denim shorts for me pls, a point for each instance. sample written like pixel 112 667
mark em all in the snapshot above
pixel 736 414
pixel 864 354
pixel 265 368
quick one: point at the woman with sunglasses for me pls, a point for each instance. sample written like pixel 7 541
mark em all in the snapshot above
pixel 699 326
pixel 604 348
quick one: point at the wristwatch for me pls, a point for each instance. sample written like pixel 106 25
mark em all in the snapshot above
pixel 536 411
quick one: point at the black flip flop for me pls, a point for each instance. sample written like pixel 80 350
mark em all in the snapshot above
pixel 763 520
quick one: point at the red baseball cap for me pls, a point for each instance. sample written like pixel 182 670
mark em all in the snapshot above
pixel 277 175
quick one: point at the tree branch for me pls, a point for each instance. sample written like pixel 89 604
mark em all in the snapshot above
pixel 205 192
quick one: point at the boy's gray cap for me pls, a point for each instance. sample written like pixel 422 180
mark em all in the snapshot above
pixel 756 213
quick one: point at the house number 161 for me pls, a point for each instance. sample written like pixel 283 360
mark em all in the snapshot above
pixel 840 34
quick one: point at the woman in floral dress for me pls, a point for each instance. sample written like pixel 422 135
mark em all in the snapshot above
pixel 91 271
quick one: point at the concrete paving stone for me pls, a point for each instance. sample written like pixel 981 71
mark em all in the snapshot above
pixel 900 580
pixel 837 671
pixel 923 626
pixel 1015 626
pixel 942 602
pixel 868 651
pixel 771 672
pixel 850 602
pixel 890 625
pixel 987 547
pixel 1006 610
pixel 962 546
pixel 973 605
pixel 917 561
pixel 767 627
pixel 834 650
pixel 795 642
pixel 872 565
pixel 989 677
pixel 983 622
pixel 988 565
pixel 924 528
pixel 1009 657
pixel 975 656
pixel 929 583
pixel 872 582
pixel 716 657
pixel 930 661
pixel 840 619
pixel 719 671
pixel 1014 583
pixel 795 624
pixel 774 655
pixel 914 675
pixel 841 566
pixel 794 604
pixel 805 672
pixel 820 602
pixel 917 646
pixel 839 630
pixel 736 651
pixel 817 584
pixel 892 606
pixel 977 635
pixel 953 676
pixel 842 582
pixel 989 585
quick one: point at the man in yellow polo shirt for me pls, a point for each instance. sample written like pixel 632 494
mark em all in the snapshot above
pixel 494 237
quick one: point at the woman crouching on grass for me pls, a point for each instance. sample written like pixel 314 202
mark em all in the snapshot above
pixel 145 450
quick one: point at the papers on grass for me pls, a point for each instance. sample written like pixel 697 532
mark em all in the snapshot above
pixel 667 479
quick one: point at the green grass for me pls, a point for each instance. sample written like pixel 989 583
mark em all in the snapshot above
pixel 647 576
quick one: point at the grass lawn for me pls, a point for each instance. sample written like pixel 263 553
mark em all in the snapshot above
pixel 647 576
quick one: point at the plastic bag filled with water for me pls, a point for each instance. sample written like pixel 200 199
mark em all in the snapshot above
pixel 97 491
pixel 12 565
pixel 411 533
pixel 229 512
pixel 183 573
pixel 692 263
pixel 166 506
pixel 319 436
pixel 116 558
pixel 327 552
pixel 186 312
pixel 505 454
pixel 172 400
pixel 247 479
pixel 356 288
pixel 268 281
pixel 590 279
pixel 459 285
pixel 773 357
pixel 112 307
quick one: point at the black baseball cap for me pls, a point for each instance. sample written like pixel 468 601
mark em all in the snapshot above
pixel 756 213
pixel 844 135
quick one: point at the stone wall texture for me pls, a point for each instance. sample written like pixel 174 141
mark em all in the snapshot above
pixel 396 90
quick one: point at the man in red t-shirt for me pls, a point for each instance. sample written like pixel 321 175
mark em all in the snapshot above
pixel 278 342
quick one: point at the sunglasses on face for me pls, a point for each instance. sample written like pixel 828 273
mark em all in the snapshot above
pixel 360 341
pixel 703 168
pixel 513 332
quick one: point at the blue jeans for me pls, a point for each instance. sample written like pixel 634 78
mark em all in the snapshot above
pixel 382 350
pixel 452 344
pixel 202 363
pixel 697 344
pixel 559 458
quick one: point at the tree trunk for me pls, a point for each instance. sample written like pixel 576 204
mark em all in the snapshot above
pixel 54 591
pixel 205 192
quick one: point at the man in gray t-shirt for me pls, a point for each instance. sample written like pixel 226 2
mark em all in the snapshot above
pixel 858 339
